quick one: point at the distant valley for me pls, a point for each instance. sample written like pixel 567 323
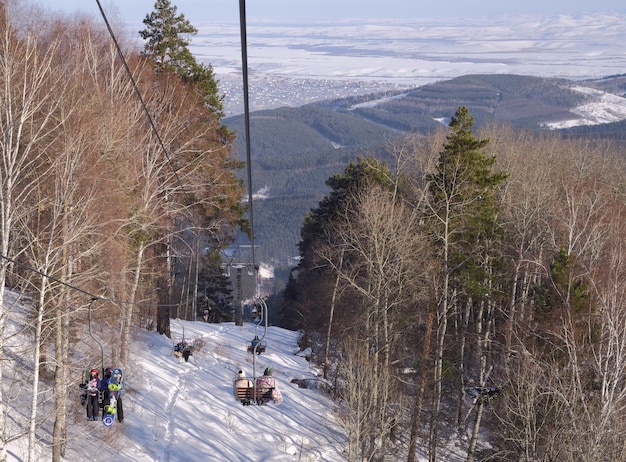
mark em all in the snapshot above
pixel 295 150
pixel 294 64
pixel 323 94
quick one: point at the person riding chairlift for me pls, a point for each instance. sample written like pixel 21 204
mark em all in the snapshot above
pixel 113 376
pixel 93 388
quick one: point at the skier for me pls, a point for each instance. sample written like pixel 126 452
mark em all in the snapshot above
pixel 93 387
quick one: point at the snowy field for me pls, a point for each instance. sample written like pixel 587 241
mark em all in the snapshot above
pixel 292 64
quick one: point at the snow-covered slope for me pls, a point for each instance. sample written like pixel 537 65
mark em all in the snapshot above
pixel 602 108
pixel 177 411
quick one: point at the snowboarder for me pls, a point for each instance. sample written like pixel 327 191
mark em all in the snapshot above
pixel 104 389
pixel 112 376
pixel 116 378
pixel 93 389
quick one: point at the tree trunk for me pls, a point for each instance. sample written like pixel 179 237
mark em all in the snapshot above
pixel 36 364
pixel 127 310
pixel 332 313
pixel 441 334
pixel 462 395
pixel 60 390
pixel 417 412
pixel 163 309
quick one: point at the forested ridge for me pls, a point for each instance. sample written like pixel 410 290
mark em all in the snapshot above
pixel 474 289
pixel 295 150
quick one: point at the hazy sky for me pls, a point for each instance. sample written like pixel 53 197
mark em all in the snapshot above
pixel 298 10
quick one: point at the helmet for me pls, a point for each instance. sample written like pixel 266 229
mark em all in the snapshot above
pixel 93 371
pixel 117 371
pixel 268 371
pixel 108 371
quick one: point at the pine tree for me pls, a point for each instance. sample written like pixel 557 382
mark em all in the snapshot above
pixel 317 230
pixel 168 47
pixel 464 222
pixel 344 186
pixel 214 290
pixel 465 185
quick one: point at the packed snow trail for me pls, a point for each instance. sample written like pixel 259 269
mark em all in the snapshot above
pixel 179 411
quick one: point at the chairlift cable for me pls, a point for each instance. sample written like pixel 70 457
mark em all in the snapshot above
pixel 246 115
pixel 94 337
pixel 78 289
pixel 167 155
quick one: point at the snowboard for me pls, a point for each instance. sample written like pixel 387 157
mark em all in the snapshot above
pixel 110 410
pixel 83 386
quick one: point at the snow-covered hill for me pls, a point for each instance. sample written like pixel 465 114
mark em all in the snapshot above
pixel 177 411
pixel 602 108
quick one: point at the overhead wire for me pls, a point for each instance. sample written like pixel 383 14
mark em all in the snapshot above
pixel 52 278
pixel 78 289
pixel 141 100
pixel 246 114
pixel 144 107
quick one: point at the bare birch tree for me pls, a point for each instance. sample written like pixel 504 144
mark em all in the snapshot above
pixel 566 339
pixel 384 266
pixel 29 97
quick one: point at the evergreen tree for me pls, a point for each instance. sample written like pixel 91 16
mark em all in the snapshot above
pixel 464 220
pixel 344 186
pixel 313 274
pixel 465 185
pixel 168 47
pixel 214 290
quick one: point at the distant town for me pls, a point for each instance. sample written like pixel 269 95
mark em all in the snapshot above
pixel 270 91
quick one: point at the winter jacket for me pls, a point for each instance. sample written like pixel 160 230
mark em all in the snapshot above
pixel 104 386
pixel 266 382
pixel 93 386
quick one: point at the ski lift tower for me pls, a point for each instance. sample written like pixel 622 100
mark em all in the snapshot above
pixel 243 277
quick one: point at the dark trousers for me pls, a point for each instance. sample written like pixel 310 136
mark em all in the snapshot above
pixel 93 407
pixel 120 410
